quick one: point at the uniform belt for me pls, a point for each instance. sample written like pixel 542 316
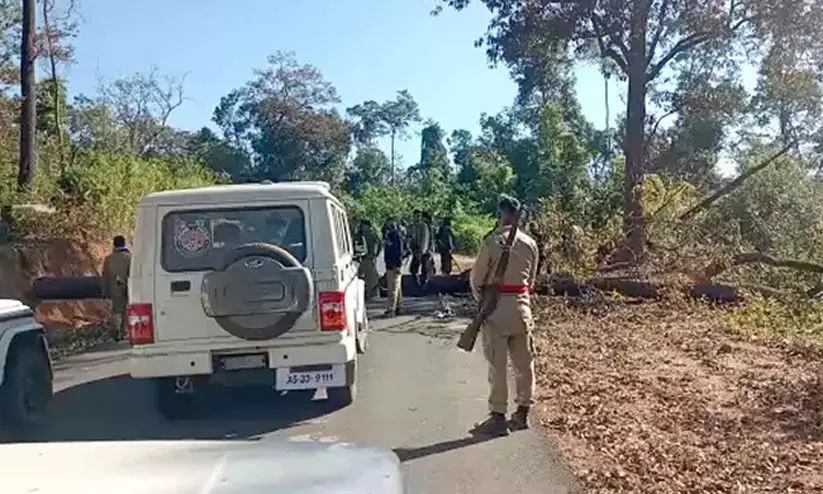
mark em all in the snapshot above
pixel 515 289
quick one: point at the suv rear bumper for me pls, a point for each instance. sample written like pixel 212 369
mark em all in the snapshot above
pixel 167 360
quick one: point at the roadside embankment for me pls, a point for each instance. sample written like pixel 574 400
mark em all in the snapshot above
pixel 21 263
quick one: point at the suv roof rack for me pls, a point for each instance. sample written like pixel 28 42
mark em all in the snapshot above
pixel 316 183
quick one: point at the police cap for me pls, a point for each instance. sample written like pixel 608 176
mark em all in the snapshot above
pixel 508 205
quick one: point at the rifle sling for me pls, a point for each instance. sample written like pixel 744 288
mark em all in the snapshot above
pixel 500 270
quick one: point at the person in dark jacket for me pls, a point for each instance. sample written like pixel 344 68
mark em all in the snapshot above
pixel 425 253
pixel 393 252
pixel 445 245
pixel 5 224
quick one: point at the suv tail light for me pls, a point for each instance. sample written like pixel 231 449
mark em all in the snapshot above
pixel 141 325
pixel 332 311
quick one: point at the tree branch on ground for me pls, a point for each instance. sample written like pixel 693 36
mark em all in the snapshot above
pixel 709 272
pixel 734 184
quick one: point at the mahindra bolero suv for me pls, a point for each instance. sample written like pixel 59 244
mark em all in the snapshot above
pixel 239 284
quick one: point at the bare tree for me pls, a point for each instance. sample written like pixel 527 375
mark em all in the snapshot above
pixel 28 110
pixel 57 27
pixel 141 106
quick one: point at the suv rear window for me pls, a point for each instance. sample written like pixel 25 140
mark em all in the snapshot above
pixel 199 240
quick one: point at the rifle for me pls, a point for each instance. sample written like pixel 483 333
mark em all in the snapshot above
pixel 490 296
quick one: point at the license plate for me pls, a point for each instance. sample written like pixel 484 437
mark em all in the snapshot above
pixel 332 376
pixel 239 362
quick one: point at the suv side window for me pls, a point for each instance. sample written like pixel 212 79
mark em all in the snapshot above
pixel 340 238
pixel 347 233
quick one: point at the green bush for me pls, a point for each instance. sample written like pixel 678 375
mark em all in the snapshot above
pixel 97 194
pixel 469 231
pixel 381 203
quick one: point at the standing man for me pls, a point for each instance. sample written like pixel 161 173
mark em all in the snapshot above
pixel 445 245
pixel 542 241
pixel 370 243
pixel 426 249
pixel 508 330
pixel 5 224
pixel 393 257
pixel 417 234
pixel 115 286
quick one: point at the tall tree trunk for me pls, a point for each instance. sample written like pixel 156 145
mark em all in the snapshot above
pixel 607 109
pixel 25 175
pixel 393 135
pixel 56 96
pixel 635 135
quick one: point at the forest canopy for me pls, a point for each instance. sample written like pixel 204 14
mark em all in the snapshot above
pixel 647 189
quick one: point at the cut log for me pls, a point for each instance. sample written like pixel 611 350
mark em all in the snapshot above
pixel 68 288
pixel 452 284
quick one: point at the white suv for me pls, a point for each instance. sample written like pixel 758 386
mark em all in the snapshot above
pixel 245 284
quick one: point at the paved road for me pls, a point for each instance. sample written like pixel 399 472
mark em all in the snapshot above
pixel 417 395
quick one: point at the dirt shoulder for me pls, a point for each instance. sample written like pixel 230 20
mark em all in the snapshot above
pixel 651 398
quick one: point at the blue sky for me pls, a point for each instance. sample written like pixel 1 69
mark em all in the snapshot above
pixel 368 49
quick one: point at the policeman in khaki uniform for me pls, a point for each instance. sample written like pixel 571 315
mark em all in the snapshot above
pixel 508 330
pixel 369 240
pixel 115 286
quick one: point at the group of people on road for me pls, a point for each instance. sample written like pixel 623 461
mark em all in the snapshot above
pixel 416 241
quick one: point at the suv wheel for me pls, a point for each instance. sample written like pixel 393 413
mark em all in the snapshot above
pixel 173 405
pixel 341 397
pixel 362 336
pixel 27 387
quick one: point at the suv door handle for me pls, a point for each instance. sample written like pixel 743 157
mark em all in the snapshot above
pixel 180 286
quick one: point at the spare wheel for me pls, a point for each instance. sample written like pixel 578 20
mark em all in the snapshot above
pixel 258 292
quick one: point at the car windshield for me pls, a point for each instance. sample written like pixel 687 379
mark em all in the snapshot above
pixel 196 240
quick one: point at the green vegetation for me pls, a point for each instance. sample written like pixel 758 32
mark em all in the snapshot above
pixel 643 200
pixel 584 187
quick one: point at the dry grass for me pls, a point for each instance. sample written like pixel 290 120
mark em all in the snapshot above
pixel 662 397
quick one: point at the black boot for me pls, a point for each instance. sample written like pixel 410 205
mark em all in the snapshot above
pixel 494 426
pixel 520 419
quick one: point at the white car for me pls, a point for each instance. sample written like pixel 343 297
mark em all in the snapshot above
pixel 182 467
pixel 245 284
pixel 25 368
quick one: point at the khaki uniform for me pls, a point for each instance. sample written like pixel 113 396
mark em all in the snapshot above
pixel 508 330
pixel 394 287
pixel 115 287
pixel 368 264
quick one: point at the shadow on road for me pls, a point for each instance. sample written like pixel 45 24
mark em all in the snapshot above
pixel 408 454
pixel 119 408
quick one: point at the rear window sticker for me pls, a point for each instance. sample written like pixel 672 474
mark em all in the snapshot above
pixel 192 238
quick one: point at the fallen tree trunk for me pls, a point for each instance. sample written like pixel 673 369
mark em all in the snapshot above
pixel 90 287
pixel 68 288
pixel 636 289
pixel 570 287
pixel 716 268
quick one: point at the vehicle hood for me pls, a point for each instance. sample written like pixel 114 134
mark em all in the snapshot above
pixel 10 308
pixel 214 467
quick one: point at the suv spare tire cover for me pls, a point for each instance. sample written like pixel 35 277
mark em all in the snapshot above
pixel 258 292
